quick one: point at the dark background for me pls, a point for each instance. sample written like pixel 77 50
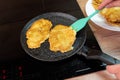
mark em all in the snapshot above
pixel 19 10
pixel 14 14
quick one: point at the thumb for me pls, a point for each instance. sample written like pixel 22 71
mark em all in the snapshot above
pixel 104 3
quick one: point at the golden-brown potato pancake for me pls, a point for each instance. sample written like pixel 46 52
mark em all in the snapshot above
pixel 38 33
pixel 112 15
pixel 62 38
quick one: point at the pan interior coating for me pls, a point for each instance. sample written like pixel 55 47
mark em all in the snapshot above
pixel 43 53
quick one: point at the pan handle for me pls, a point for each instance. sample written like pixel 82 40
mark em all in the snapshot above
pixel 97 54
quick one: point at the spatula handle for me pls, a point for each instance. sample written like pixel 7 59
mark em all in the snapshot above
pixel 94 13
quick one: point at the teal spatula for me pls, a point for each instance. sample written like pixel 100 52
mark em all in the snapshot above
pixel 79 24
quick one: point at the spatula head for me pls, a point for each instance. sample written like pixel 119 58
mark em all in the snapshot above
pixel 79 24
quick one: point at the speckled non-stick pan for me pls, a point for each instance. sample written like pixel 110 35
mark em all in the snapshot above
pixel 43 53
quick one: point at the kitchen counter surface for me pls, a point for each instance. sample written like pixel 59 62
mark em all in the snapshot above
pixel 109 43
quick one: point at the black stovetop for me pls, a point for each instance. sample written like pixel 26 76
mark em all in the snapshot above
pixel 20 66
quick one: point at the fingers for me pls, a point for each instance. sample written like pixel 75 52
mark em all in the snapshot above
pixel 114 4
pixel 104 3
pixel 113 68
pixel 118 75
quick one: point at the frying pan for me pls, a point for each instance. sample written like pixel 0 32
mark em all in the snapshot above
pixel 44 53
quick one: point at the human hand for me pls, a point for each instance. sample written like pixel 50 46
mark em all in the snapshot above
pixel 114 69
pixel 109 3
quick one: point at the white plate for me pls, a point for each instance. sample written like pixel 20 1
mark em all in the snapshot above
pixel 98 19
